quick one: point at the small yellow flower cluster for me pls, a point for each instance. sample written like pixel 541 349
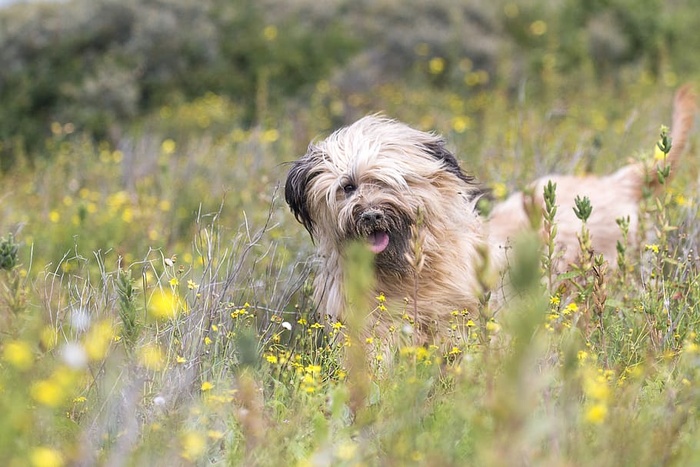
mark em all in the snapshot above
pixel 492 326
pixel 381 302
pixel 690 346
pixel 596 388
pixel 570 308
pixel 271 358
pixel 462 328
pixel 151 357
pixel 193 445
pixel 44 456
pixel 241 312
pixel 217 399
pixel 654 248
pixel 98 340
pixel 422 354
pixel 311 379
pixel 477 77
pixel 633 372
pixel 436 65
pixel 346 451
pixel 56 389
pixel 337 327
pixel 280 356
pixel 462 123
pixel 166 304
pixel 19 354
pixel 119 204
pixel 560 318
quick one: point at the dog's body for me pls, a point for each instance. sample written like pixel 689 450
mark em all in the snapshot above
pixel 613 196
pixel 404 193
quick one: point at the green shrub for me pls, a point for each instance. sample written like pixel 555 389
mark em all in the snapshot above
pixel 96 65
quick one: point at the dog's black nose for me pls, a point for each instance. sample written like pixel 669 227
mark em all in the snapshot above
pixel 372 216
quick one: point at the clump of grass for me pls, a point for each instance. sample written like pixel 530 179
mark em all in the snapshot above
pixel 12 281
pixel 8 253
pixel 550 231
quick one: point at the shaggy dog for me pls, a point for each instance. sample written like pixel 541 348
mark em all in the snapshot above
pixel 403 193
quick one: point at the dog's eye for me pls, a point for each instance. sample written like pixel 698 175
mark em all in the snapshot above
pixel 349 188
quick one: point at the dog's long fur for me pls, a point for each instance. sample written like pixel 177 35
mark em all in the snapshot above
pixel 391 185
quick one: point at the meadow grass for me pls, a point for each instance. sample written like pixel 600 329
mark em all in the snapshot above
pixel 155 308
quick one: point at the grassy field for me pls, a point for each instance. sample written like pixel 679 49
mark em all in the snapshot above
pixel 154 299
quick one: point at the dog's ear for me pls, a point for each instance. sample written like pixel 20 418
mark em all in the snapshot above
pixel 295 190
pixel 438 150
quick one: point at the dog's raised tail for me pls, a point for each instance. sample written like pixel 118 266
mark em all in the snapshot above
pixel 684 109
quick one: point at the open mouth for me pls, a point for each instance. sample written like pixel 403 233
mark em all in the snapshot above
pixel 378 241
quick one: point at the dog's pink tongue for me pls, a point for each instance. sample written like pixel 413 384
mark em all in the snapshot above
pixel 378 241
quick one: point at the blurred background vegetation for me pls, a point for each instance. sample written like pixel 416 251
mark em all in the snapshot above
pixel 102 67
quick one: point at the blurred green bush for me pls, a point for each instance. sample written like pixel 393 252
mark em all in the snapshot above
pixel 92 65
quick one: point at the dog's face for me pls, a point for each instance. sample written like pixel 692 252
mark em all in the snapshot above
pixel 371 181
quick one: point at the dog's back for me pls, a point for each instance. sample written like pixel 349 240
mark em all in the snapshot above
pixel 613 196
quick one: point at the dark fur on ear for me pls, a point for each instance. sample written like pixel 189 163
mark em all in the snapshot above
pixel 441 153
pixel 295 190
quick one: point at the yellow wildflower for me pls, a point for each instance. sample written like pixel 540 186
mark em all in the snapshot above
pixel 436 65
pixel 193 445
pixel 168 146
pixel 538 28
pixel 347 451
pixel 152 358
pixel 98 340
pixel 596 413
pixel 215 434
pixel 165 305
pixel 18 354
pixel 43 456
pixel 47 392
pixel 270 32
pixel 597 388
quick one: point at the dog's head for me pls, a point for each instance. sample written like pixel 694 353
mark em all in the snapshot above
pixel 370 181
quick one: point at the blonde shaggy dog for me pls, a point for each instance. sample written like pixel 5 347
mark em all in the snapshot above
pixel 392 186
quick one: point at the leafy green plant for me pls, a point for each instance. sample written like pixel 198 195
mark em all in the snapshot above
pixel 8 253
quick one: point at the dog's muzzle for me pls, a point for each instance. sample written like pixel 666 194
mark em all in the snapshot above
pixel 372 225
